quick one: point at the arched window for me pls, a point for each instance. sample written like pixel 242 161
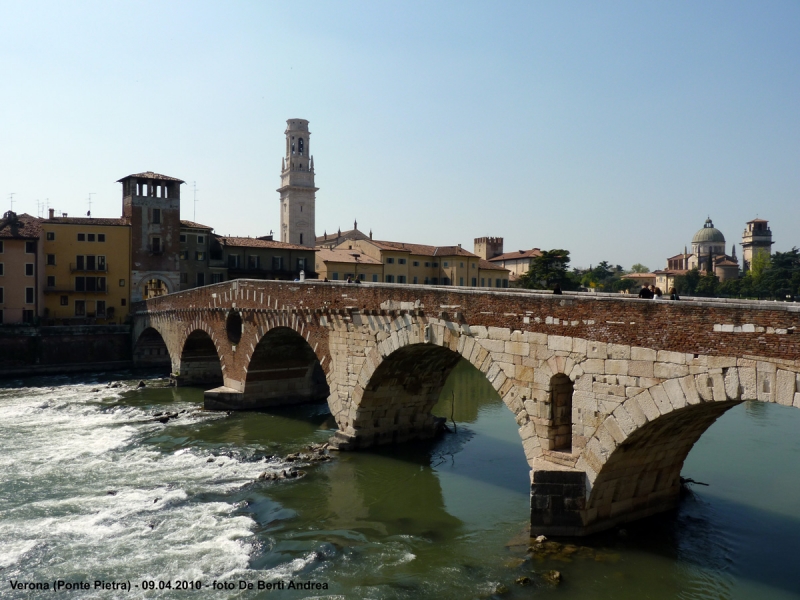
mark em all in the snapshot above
pixel 300 146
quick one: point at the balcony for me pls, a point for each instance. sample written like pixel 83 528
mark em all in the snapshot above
pixel 77 268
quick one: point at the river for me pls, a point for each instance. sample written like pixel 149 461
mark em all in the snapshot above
pixel 94 488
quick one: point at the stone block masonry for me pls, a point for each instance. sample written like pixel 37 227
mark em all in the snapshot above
pixel 609 393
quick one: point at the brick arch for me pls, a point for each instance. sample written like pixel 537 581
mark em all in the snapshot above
pixel 282 366
pixel 393 396
pixel 634 459
pixel 143 356
pixel 199 363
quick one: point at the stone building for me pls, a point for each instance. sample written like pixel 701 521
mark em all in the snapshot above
pixel 21 272
pixel 332 240
pixel 265 258
pixel 344 263
pixel 518 263
pixel 151 203
pixel 757 238
pixel 298 194
pixel 428 265
pixel 195 256
pixel 87 264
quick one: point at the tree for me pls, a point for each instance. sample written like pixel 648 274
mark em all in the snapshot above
pixel 547 270
pixel 639 268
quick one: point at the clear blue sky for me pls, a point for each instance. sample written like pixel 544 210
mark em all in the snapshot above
pixel 611 129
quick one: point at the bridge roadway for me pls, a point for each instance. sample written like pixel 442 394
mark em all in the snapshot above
pixel 610 393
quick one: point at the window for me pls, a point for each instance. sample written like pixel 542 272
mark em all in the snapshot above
pixel 473 265
pixel 401 279
pixel 183 255
pixel 277 263
pixel 301 264
pixel 446 263
pixel 426 281
pixel 201 239
pixel 1 246
pixel 252 262
pixel 123 302
pixel 51 259
pixel 89 237
pixel 390 279
pixel 101 308
pixel 101 284
pixel 436 264
pixel 1 317
pixel 91 284
pixel 80 263
pixel 81 237
pixel 461 279
pixel 51 235
pixel 505 283
pixel 156 245
pixel 101 237
pixel 28 295
pixel 201 279
pixel 184 278
pixel 415 280
pixel 362 277
pixel 64 300
pixel 434 281
pixel 101 263
pixel 30 247
pixel 375 277
pixel 121 283
pixel 334 276
pixel 199 255
pixel 401 261
pixel 301 239
pixel 156 216
pixel 183 238
pixel 461 265
pixel 80 284
pixel 216 278
pixel 390 261
pixel 474 282
pixel 27 316
pixel 496 283
pixel 51 281
pixel 483 282
pixel 1 268
pixel 427 264
pixel 91 262
pixel 29 269
pixel 233 261
pixel 415 263
pixel 445 281
pixel 1 295
pixel 80 308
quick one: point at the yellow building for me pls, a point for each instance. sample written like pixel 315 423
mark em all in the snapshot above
pixel 87 269
pixel 341 264
pixel 426 265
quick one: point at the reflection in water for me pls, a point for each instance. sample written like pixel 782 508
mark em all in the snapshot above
pixel 444 519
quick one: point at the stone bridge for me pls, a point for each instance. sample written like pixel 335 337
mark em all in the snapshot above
pixel 610 393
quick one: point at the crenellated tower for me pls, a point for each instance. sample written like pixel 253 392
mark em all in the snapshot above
pixel 298 194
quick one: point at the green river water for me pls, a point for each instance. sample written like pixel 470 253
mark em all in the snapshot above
pixel 92 488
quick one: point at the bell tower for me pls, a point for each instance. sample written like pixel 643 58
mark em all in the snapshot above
pixel 298 194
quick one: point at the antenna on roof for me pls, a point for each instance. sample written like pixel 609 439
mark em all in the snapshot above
pixel 194 201
pixel 11 199
pixel 89 214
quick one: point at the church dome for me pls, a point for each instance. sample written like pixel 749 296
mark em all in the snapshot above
pixel 708 233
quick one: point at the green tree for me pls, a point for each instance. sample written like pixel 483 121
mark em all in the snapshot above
pixel 639 268
pixel 687 284
pixel 759 264
pixel 547 270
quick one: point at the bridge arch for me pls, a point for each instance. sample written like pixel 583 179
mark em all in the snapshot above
pixel 200 359
pixel 150 350
pixel 401 378
pixel 283 368
pixel 634 459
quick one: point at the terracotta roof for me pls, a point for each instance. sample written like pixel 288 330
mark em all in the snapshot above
pixel 671 272
pixel 245 242
pixel 487 266
pixel 726 263
pixel 329 237
pixel 758 221
pixel 681 255
pixel 20 227
pixel 193 225
pixel 640 275
pixel 84 221
pixel 422 249
pixel 151 175
pixel 532 253
pixel 345 256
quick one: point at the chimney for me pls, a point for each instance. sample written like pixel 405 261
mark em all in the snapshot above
pixel 52 212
